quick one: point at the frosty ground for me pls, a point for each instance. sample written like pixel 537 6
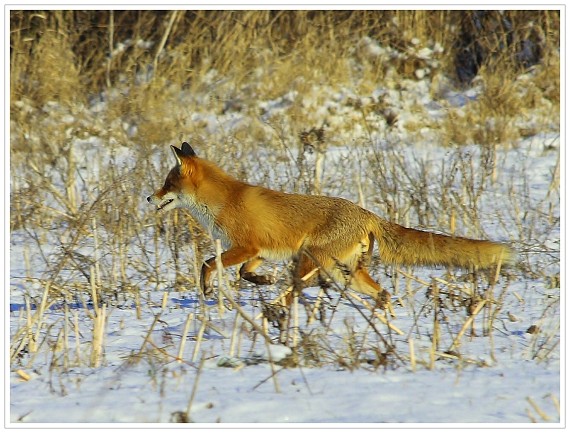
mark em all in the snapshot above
pixel 169 356
pixel 248 389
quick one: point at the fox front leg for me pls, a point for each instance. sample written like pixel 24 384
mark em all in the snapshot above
pixel 247 272
pixel 233 256
pixel 205 276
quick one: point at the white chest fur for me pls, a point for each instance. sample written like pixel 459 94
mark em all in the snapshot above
pixel 206 217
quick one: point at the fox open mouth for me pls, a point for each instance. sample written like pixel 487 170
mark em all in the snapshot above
pixel 162 205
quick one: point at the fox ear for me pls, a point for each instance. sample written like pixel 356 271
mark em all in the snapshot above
pixel 177 154
pixel 187 150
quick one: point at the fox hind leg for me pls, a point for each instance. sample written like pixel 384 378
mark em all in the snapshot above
pixel 362 282
pixel 233 256
pixel 351 267
pixel 303 274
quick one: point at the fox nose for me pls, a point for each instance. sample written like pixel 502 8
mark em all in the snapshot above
pixel 148 199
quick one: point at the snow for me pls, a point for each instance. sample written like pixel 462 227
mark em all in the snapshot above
pixel 235 377
pixel 305 396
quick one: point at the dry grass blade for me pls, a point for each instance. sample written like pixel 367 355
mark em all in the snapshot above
pixel 195 387
pixel 377 314
pixel 244 315
pixel 467 324
pixel 184 335
pixel 98 336
pixel 538 410
pixel 412 354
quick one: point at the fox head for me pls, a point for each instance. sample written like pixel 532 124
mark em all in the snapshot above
pixel 174 192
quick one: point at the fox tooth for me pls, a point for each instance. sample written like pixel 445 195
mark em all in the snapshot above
pixel 163 204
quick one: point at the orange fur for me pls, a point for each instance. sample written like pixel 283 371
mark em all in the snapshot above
pixel 256 223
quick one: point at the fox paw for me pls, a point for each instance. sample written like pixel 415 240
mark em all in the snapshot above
pixel 259 280
pixel 206 289
pixel 383 300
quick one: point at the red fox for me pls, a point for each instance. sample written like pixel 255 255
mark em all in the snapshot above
pixel 332 234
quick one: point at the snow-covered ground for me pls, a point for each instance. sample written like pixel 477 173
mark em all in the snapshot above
pixel 234 376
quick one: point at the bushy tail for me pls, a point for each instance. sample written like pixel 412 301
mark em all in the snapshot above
pixel 404 246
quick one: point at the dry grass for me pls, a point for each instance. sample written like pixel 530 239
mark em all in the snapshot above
pixel 159 76
pixel 148 65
